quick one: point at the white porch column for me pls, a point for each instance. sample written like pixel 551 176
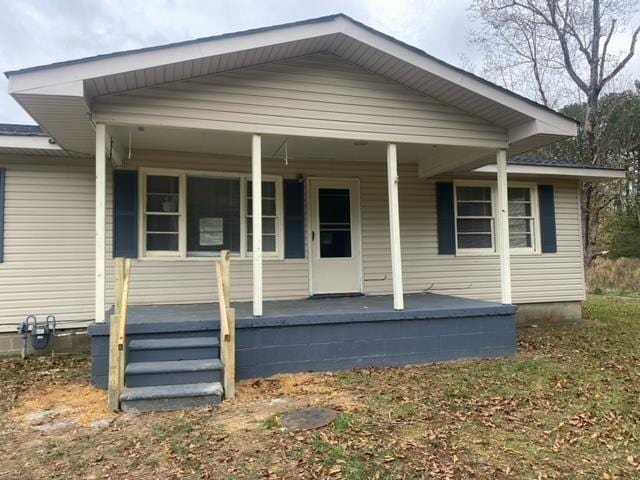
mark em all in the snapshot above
pixel 256 201
pixel 394 226
pixel 101 190
pixel 503 227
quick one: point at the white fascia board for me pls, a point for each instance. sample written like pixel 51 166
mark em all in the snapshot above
pixel 453 75
pixel 27 142
pixel 126 62
pixel 555 171
pixel 538 127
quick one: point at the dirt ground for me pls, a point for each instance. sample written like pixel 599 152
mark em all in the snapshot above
pixel 567 406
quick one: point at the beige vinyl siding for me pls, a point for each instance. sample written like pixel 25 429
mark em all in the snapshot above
pixel 49 238
pixel 49 242
pixel 320 95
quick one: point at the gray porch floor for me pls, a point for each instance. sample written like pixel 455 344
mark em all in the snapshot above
pixel 321 310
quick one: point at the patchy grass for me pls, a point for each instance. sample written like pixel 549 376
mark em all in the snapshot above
pixel 567 406
pixel 617 276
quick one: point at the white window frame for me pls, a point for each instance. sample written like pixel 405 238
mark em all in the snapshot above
pixel 182 253
pixel 535 215
pixel 495 237
pixel 279 253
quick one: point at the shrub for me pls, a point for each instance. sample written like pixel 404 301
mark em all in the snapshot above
pixel 615 275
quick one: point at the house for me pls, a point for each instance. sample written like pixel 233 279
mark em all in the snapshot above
pixel 375 200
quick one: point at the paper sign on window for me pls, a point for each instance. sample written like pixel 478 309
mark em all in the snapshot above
pixel 211 231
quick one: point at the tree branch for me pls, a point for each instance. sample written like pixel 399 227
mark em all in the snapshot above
pixel 603 59
pixel 625 60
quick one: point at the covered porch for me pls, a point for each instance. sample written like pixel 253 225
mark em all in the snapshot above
pixel 318 334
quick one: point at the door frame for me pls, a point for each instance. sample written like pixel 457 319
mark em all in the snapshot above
pixel 309 226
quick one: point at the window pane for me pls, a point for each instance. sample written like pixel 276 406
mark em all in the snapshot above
pixel 520 233
pixel 268 234
pixel 473 193
pixel 519 209
pixel 467 225
pixel 519 240
pixel 519 225
pixel 162 241
pixel 162 223
pixel 519 194
pixel 268 189
pixel 268 243
pixel 335 243
pixel 334 205
pixel 474 240
pixel 162 193
pixel 268 226
pixel 474 209
pixel 213 214
pixel 268 207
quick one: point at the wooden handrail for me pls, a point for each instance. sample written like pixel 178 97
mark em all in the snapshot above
pixel 227 324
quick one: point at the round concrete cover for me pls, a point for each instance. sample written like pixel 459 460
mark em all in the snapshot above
pixel 308 418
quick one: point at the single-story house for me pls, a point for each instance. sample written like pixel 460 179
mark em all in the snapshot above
pixel 375 199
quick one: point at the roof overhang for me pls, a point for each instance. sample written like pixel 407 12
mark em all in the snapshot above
pixel 29 145
pixel 59 96
pixel 583 173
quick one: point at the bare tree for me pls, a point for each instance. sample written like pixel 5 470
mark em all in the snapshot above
pixel 565 45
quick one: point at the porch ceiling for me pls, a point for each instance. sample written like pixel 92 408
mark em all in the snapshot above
pixel 273 146
pixel 60 96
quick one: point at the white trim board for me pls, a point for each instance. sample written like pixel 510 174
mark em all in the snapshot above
pixel 557 171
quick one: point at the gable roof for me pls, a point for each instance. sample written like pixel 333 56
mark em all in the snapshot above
pixel 70 86
pixel 276 27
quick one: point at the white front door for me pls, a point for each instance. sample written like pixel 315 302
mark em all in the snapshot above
pixel 335 236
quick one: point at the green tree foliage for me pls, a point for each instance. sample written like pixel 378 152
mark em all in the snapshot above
pixel 618 134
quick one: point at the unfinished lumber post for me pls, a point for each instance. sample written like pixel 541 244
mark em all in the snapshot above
pixel 122 330
pixel 114 390
pixel 224 325
pixel 229 364
pixel 225 260
pixel 117 289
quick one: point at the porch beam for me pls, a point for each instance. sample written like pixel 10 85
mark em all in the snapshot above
pixel 101 191
pixel 256 200
pixel 503 227
pixel 394 226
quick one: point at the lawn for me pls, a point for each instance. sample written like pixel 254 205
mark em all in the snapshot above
pixel 567 406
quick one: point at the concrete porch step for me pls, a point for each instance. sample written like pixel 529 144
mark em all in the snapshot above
pixel 172 372
pixel 173 348
pixel 172 343
pixel 170 397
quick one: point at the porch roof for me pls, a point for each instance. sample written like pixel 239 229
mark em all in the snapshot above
pixel 59 96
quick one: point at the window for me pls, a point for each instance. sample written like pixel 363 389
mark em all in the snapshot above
pixel 213 215
pixel 197 215
pixel 162 213
pixel 474 217
pixel 269 217
pixel 521 220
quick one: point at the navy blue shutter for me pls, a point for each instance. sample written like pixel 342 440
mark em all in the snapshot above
pixel 2 174
pixel 446 218
pixel 547 219
pixel 125 213
pixel 293 219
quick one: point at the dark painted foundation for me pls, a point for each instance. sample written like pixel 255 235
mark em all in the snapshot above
pixel 331 334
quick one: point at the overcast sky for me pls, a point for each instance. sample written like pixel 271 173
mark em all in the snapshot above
pixel 36 32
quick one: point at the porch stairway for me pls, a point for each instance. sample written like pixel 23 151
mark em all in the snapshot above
pixel 171 372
